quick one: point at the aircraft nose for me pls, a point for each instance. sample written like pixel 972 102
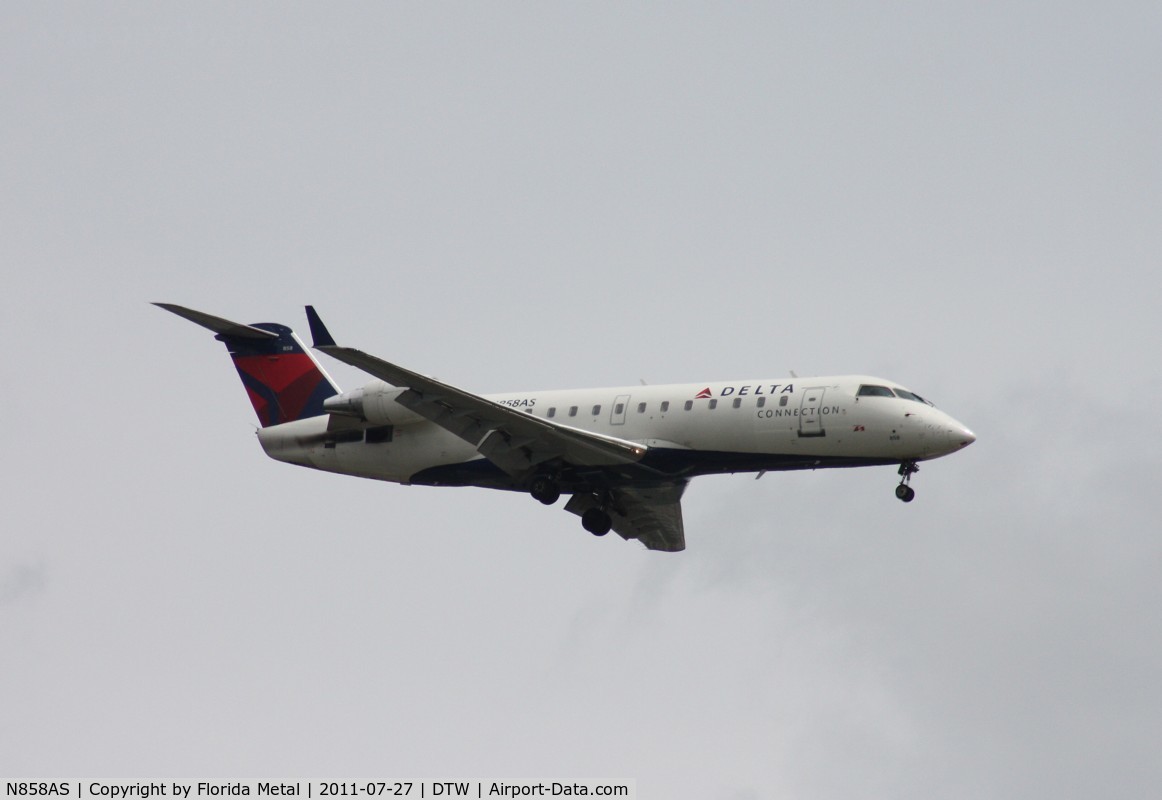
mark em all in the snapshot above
pixel 960 436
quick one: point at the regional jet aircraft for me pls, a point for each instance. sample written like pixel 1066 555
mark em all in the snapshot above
pixel 624 455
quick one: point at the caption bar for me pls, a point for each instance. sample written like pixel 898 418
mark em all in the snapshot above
pixel 626 790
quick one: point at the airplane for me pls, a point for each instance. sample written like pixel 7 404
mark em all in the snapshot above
pixel 624 455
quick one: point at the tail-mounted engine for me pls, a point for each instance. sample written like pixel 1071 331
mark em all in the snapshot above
pixel 373 403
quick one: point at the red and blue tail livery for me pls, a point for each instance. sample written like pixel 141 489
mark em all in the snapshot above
pixel 282 379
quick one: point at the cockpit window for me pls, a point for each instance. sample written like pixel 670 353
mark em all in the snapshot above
pixel 904 393
pixel 874 391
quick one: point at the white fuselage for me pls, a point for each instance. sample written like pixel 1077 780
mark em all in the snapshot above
pixel 690 429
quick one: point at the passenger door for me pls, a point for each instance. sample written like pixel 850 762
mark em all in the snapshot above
pixel 810 412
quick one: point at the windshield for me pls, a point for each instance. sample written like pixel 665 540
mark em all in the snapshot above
pixel 873 391
pixel 904 393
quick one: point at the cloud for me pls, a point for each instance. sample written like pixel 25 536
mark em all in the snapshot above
pixel 21 580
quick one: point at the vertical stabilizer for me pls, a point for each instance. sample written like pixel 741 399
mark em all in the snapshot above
pixel 282 378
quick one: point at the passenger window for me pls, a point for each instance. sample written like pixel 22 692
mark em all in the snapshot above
pixel 596 410
pixel 689 405
pixel 572 411
pixel 874 391
pixel 617 409
pixel 738 402
pixel 641 408
pixel 783 400
pixel 762 401
pixel 552 412
pixel 665 406
pixel 714 403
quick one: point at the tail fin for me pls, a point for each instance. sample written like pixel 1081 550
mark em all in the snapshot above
pixel 282 378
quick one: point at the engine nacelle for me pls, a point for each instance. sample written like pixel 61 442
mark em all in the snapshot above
pixel 373 403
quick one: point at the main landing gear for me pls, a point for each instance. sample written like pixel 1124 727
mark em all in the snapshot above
pixel 596 521
pixel 592 508
pixel 545 490
pixel 904 491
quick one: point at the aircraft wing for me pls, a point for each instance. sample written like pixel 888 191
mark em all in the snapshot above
pixel 651 514
pixel 513 440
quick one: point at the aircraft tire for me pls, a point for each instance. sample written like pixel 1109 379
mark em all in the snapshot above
pixel 905 493
pixel 596 522
pixel 545 491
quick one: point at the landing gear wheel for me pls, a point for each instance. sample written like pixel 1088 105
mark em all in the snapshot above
pixel 545 490
pixel 596 522
pixel 905 492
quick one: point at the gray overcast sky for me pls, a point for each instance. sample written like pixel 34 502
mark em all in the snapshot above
pixel 963 197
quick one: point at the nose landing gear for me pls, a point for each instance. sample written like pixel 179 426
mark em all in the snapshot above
pixel 905 492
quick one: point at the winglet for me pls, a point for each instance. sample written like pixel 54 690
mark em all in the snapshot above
pixel 320 336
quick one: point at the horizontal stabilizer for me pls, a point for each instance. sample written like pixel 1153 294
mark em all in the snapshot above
pixel 235 330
